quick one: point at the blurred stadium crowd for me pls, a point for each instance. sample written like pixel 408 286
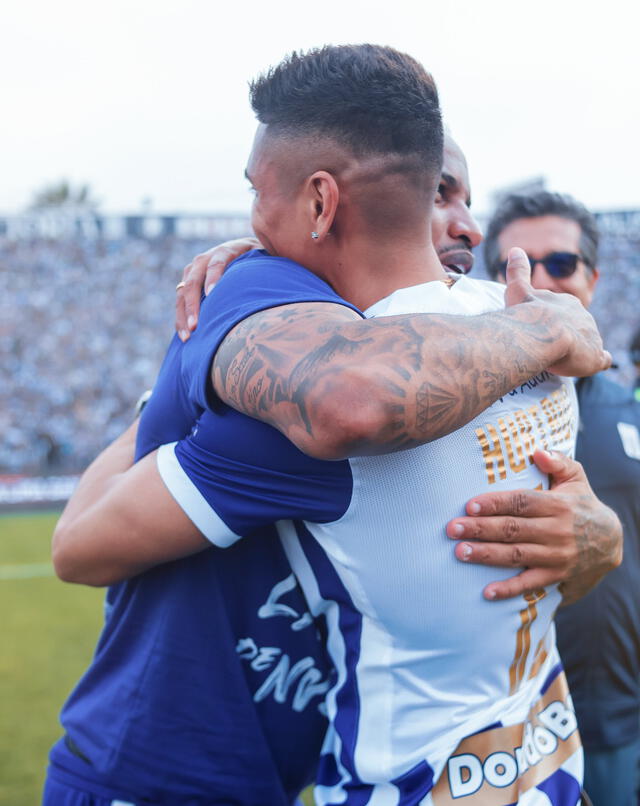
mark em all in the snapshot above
pixel 83 328
pixel 84 324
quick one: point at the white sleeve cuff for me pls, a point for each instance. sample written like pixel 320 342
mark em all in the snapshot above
pixel 191 499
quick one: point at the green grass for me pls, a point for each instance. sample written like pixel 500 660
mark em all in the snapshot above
pixel 49 631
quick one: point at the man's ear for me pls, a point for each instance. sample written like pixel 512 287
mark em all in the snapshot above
pixel 323 197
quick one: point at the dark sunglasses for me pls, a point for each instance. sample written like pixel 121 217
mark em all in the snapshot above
pixel 557 264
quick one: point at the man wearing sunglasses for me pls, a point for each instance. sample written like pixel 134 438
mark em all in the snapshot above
pixel 598 637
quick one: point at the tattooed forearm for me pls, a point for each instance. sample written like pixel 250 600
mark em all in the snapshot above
pixel 338 385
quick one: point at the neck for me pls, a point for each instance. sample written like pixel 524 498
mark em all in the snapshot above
pixel 372 270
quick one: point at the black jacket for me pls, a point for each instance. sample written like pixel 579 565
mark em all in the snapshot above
pixel 599 636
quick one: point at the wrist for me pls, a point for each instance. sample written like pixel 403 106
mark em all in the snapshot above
pixel 553 336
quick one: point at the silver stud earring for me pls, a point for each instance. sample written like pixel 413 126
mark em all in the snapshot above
pixel 315 236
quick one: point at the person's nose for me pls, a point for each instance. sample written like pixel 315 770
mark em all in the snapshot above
pixel 464 225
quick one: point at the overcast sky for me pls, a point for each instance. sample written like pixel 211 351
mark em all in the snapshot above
pixel 148 98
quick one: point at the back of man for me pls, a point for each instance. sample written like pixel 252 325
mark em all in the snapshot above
pixel 599 637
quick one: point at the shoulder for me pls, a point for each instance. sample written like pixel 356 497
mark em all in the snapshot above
pixel 259 278
pixel 488 290
pixel 253 283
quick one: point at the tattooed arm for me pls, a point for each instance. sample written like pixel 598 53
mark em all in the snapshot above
pixel 339 386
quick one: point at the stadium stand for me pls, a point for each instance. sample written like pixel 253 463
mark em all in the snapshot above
pixel 85 320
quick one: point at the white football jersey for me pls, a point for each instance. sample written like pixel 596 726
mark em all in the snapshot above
pixel 427 661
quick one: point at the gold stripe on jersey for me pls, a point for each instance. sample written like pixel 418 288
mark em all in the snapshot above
pixel 523 639
pixel 541 654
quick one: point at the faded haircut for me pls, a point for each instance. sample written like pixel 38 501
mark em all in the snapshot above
pixel 370 99
pixel 535 205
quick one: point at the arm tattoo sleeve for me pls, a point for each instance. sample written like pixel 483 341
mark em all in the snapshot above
pixel 424 375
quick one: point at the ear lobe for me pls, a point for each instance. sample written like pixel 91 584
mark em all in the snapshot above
pixel 325 196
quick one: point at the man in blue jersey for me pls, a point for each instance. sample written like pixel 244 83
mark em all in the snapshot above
pixel 561 237
pixel 317 293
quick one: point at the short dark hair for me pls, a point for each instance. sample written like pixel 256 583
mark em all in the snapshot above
pixel 535 205
pixel 372 99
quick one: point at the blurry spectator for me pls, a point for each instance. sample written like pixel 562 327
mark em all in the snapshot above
pixel 83 327
pixel 84 322
pixel 599 636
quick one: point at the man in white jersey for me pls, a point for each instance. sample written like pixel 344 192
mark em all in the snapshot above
pixel 469 709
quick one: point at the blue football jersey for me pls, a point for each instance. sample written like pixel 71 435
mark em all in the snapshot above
pixel 209 678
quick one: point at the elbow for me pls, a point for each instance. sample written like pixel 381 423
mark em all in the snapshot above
pixel 353 421
pixel 68 564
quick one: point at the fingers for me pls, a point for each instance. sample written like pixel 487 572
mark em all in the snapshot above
pixel 194 282
pixel 501 529
pixel 562 469
pixel 516 503
pixel 518 277
pixel 540 567
pixel 202 274
pixel 555 559
pixel 215 270
pixel 188 294
pixel 181 313
pixel 529 581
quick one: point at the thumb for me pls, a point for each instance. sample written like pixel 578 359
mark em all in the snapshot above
pixel 559 467
pixel 518 277
pixel 215 270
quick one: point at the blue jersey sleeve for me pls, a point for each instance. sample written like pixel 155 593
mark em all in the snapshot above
pixel 169 414
pixel 254 282
pixel 234 474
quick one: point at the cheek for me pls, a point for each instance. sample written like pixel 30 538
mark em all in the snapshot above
pixel 259 214
pixel 579 288
pixel 438 226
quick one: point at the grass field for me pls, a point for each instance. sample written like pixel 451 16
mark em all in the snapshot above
pixel 49 632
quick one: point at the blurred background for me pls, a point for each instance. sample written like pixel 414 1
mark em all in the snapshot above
pixel 125 131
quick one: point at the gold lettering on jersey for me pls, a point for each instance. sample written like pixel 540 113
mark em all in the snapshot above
pixel 534 413
pixel 559 415
pixel 551 413
pixel 492 453
pixel 548 425
pixel 525 429
pixel 496 767
pixel 511 437
pixel 523 639
pixel 566 414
